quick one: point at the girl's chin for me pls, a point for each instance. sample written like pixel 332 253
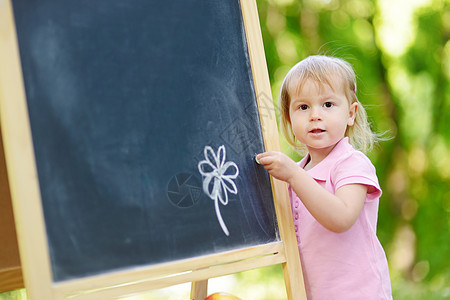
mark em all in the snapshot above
pixel 320 146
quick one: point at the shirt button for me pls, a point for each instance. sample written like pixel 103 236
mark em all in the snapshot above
pixel 296 228
pixel 296 216
pixel 297 203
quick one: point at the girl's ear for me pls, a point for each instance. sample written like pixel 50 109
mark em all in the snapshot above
pixel 352 114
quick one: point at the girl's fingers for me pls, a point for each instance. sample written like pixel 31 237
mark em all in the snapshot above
pixel 264 158
pixel 260 157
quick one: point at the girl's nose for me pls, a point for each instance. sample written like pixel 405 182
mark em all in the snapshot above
pixel 314 114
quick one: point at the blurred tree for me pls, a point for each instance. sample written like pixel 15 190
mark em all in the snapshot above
pixel 400 50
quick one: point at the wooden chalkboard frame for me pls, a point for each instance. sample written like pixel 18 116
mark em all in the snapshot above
pixel 10 269
pixel 28 211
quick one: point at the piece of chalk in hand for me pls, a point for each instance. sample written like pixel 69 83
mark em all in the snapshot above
pixel 257 161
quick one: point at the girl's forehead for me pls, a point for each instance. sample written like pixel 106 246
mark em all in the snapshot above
pixel 296 84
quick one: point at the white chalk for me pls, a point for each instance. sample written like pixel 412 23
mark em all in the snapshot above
pixel 257 161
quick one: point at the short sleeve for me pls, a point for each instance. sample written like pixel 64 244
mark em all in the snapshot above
pixel 356 168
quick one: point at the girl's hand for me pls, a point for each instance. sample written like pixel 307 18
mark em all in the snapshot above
pixel 336 212
pixel 278 164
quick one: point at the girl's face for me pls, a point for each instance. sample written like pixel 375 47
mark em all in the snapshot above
pixel 320 116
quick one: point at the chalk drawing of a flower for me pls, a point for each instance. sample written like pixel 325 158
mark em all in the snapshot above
pixel 218 178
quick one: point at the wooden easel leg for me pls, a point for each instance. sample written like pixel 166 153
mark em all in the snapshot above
pixel 199 290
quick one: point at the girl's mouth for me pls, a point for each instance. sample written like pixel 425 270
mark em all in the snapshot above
pixel 317 130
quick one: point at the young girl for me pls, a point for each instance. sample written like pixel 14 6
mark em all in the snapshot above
pixel 334 189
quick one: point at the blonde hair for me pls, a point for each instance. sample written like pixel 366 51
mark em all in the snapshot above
pixel 324 70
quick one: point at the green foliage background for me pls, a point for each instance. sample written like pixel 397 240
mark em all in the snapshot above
pixel 400 50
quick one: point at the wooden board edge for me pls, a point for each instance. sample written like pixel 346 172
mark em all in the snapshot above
pixel 160 272
pixel 292 267
pixel 195 275
pixel 11 279
pixel 21 164
pixel 10 267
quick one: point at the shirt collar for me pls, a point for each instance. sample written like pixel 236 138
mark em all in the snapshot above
pixel 321 170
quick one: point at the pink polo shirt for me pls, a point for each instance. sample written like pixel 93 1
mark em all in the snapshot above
pixel 349 265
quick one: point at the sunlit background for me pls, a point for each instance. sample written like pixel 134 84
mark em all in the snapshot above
pixel 400 50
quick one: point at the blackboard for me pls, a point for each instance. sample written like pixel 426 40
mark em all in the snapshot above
pixel 123 98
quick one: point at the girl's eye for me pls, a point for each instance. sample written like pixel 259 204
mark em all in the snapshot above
pixel 328 104
pixel 303 107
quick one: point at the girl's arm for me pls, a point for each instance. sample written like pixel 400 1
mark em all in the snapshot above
pixel 336 212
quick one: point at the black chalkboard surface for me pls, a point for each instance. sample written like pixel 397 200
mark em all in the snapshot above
pixel 144 123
